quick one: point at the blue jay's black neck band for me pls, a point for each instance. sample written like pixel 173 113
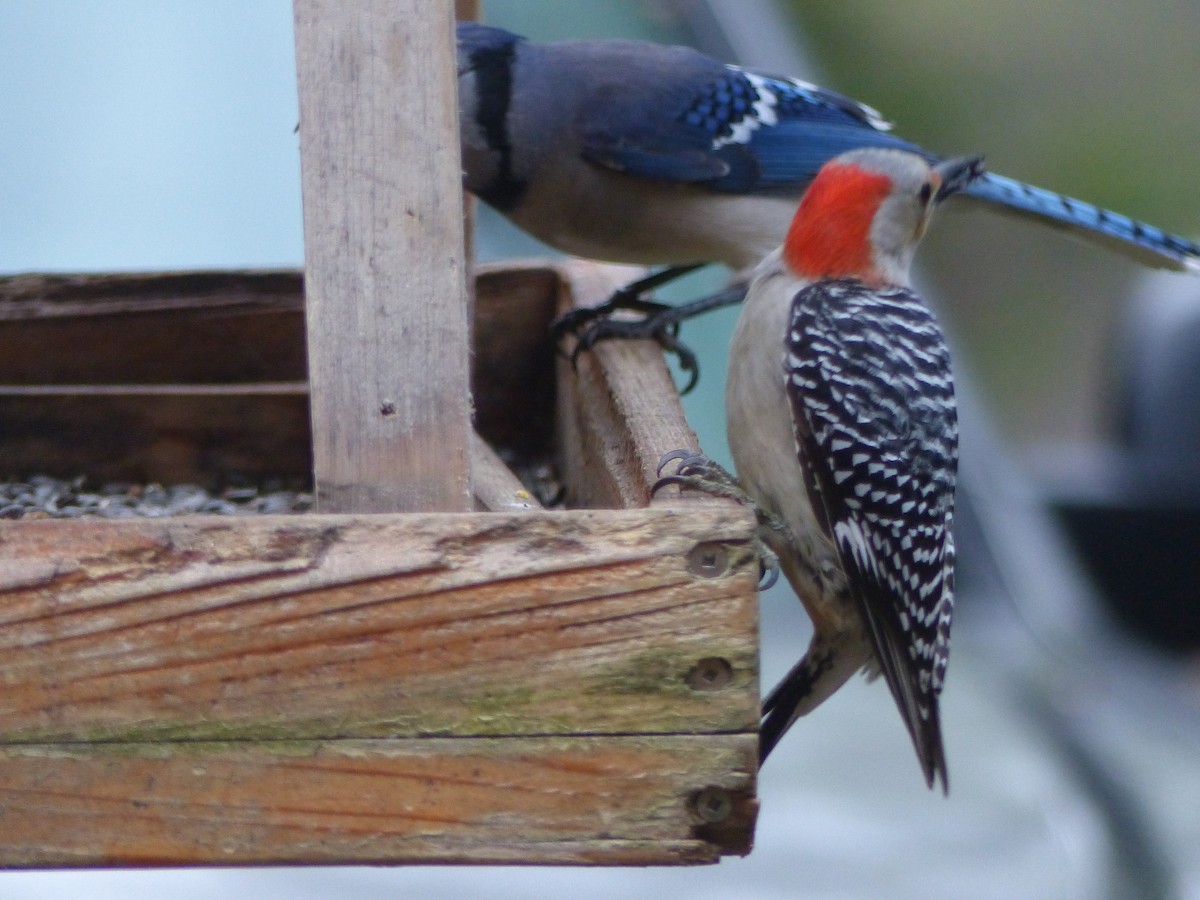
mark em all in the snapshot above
pixel 494 81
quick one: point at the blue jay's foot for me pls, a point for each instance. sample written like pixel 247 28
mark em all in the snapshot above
pixel 630 297
pixel 660 322
pixel 660 327
pixel 698 472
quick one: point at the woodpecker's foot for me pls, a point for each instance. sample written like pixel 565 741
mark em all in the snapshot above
pixel 698 472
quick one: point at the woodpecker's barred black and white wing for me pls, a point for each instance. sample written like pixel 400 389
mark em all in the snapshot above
pixel 872 398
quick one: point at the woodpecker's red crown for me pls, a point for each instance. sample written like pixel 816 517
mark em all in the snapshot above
pixel 865 211
pixel 830 234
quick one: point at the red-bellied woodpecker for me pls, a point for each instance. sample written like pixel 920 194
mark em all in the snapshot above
pixel 842 425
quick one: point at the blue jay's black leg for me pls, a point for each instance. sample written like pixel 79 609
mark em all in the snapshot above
pixel 660 324
pixel 629 297
pixel 700 473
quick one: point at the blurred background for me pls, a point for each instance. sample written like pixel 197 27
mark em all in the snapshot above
pixel 158 135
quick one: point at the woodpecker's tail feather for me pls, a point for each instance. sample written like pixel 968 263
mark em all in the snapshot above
pixel 1144 243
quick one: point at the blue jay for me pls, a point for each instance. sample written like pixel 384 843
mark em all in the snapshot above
pixel 636 152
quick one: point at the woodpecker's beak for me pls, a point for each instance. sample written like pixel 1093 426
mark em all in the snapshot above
pixel 957 173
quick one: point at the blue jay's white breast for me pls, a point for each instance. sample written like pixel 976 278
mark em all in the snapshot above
pixel 588 211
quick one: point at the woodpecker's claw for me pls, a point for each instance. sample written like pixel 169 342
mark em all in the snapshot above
pixel 770 573
pixel 699 472
pixel 671 457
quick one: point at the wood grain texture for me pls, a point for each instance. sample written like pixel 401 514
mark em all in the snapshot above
pixel 156 433
pixel 565 687
pixel 554 801
pixel 152 328
pixel 497 488
pixel 318 626
pixel 536 687
pixel 388 317
pixel 618 409
pixel 187 376
pixel 466 10
pixel 514 381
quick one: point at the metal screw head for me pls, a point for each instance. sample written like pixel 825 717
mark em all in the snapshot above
pixel 712 804
pixel 710 674
pixel 708 560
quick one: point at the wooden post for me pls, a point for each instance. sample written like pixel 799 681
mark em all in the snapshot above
pixel 385 273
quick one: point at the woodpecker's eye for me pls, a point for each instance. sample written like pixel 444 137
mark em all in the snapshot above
pixel 926 193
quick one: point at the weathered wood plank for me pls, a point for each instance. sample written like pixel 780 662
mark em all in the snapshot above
pixel 514 384
pixel 33 295
pixel 466 10
pixel 614 419
pixel 184 376
pixel 388 318
pixel 146 433
pixel 496 487
pixel 152 328
pixel 589 800
pixel 265 690
pixel 330 626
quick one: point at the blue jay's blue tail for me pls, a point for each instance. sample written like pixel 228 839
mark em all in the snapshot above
pixel 1144 243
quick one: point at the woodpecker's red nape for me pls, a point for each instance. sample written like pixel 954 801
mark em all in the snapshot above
pixel 830 236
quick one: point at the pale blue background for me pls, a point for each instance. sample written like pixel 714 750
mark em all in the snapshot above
pixel 148 135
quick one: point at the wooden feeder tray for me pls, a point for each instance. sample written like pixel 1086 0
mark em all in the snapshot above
pixel 532 686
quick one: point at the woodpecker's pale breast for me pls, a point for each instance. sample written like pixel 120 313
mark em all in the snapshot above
pixel 759 425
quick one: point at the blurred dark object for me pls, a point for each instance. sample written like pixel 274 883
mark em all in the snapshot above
pixel 1133 508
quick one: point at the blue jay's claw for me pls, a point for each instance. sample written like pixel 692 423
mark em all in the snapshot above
pixel 660 327
pixel 660 322
pixel 629 297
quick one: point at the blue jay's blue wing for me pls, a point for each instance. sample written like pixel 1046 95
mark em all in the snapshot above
pixel 741 131
pixel 784 157
pixel 665 154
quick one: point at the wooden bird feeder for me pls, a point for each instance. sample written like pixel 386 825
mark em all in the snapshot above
pixel 428 669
